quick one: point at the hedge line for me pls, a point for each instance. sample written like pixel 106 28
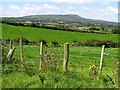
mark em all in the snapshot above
pixel 91 43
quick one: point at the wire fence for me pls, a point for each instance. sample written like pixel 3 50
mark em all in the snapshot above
pixel 53 57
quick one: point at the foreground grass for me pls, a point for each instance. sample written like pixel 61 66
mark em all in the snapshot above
pixel 15 76
pixel 54 80
pixel 36 34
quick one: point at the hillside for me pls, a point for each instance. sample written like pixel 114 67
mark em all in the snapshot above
pixel 36 34
pixel 69 18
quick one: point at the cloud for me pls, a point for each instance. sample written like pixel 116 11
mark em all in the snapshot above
pixel 72 1
pixel 29 9
pixel 108 13
pixel 64 1
pixel 71 10
pixel 113 10
pixel 1 9
pixel 14 10
pixel 83 1
pixel 14 7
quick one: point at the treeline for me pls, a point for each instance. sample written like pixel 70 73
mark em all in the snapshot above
pixel 59 27
pixel 97 43
pixel 90 43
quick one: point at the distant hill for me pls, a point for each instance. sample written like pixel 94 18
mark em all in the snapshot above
pixel 69 18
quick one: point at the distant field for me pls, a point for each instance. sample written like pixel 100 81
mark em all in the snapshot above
pixel 36 34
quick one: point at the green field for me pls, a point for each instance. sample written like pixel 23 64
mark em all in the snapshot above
pixel 28 76
pixel 36 34
pixel 15 76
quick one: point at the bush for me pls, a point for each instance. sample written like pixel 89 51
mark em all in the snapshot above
pixel 54 43
pixel 116 31
pixel 7 41
pixel 24 41
pixel 76 43
pixel 44 42
pixel 96 43
pixel 32 43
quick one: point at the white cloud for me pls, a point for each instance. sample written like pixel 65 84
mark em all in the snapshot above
pixel 49 7
pixel 28 9
pixel 108 13
pixel 113 10
pixel 83 1
pixel 71 10
pixel 14 7
pixel 72 1
pixel 1 9
pixel 64 1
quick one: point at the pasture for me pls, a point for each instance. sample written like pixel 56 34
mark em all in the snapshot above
pixel 16 76
pixel 80 58
pixel 36 34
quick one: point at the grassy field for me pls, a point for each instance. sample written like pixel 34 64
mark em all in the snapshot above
pixel 80 58
pixel 15 76
pixel 36 34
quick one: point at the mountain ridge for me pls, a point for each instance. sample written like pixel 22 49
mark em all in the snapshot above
pixel 67 18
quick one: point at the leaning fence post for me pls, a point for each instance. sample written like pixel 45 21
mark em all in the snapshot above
pixel 101 60
pixel 41 55
pixel 21 52
pixel 10 51
pixel 66 57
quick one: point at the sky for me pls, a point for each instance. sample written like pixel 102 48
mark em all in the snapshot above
pixel 93 9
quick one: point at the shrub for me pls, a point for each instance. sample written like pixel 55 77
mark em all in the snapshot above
pixel 24 41
pixel 7 41
pixel 32 43
pixel 76 43
pixel 96 43
pixel 54 43
pixel 44 42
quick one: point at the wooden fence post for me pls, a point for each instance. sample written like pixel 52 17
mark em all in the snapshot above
pixel 10 44
pixel 66 57
pixel 41 55
pixel 11 51
pixel 21 52
pixel 101 60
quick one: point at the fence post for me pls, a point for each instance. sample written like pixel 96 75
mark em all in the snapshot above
pixel 41 55
pixel 10 44
pixel 21 52
pixel 101 60
pixel 66 57
pixel 10 51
